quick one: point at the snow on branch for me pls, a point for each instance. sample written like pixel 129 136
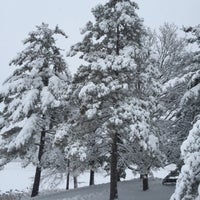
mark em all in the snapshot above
pixel 30 127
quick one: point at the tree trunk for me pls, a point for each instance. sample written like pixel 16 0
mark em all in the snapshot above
pixel 68 173
pixel 91 172
pixel 75 182
pixel 91 177
pixel 113 169
pixel 114 150
pixel 145 182
pixel 37 178
pixel 118 176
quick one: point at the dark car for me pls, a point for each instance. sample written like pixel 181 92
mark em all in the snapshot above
pixel 171 178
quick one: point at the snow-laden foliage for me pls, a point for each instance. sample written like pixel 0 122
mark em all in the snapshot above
pixel 189 179
pixel 188 183
pixel 118 94
pixel 116 26
pixel 115 93
pixel 31 94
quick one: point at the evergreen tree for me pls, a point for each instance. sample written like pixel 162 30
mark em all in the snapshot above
pixel 30 96
pixel 188 184
pixel 146 89
pixel 111 90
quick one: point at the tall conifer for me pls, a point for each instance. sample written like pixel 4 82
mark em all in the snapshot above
pixel 30 96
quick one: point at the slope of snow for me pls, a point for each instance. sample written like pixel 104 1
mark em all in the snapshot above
pixel 13 177
pixel 128 190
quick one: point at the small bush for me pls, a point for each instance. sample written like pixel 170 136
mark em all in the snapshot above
pixel 13 195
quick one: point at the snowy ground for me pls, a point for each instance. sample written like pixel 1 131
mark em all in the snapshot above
pixel 13 177
pixel 128 190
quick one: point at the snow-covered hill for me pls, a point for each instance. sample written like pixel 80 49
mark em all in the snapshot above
pixel 128 190
pixel 13 177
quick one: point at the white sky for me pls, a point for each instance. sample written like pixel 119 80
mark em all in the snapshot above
pixel 18 17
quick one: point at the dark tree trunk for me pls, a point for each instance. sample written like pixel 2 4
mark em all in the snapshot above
pixel 91 182
pixel 75 182
pixel 114 150
pixel 36 183
pixel 145 182
pixel 118 176
pixel 68 173
pixel 141 176
pixel 91 177
pixel 113 170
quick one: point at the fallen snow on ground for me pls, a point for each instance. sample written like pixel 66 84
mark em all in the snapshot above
pixel 13 177
pixel 128 190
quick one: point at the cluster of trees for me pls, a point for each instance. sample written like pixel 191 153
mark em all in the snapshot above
pixel 130 105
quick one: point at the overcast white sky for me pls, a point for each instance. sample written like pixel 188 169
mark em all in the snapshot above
pixel 18 17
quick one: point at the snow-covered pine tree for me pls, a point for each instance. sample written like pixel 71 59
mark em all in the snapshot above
pixel 147 89
pixel 30 96
pixel 188 183
pixel 67 141
pixel 111 90
pixel 75 165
